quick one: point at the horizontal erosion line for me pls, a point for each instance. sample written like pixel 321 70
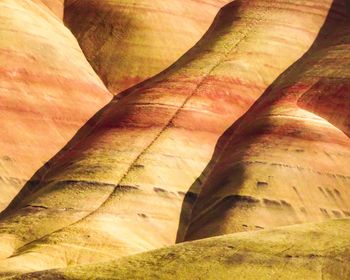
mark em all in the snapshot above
pixel 347 177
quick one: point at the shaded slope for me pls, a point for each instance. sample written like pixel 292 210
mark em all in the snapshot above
pixel 287 160
pixel 308 251
pixel 120 190
pixel 47 91
pixel 128 41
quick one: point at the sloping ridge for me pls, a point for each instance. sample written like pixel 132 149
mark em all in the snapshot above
pixel 48 91
pixel 307 251
pixel 128 41
pixel 121 188
pixel 284 164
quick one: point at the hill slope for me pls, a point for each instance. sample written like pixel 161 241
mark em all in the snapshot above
pixel 48 91
pixel 128 41
pixel 308 251
pixel 286 161
pixel 120 190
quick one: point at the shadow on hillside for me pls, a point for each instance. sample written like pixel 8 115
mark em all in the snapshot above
pixel 335 13
pixel 33 184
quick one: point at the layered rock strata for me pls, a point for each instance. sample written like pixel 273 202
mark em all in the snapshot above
pixel 48 91
pixel 287 160
pixel 308 251
pixel 128 41
pixel 121 188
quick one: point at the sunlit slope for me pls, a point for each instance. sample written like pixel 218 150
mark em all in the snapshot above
pixel 56 6
pixel 128 41
pixel 287 160
pixel 48 91
pixel 308 252
pixel 121 189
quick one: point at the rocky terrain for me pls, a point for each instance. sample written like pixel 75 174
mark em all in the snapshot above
pixel 307 251
pixel 48 91
pixel 128 41
pixel 48 88
pixel 242 138
pixel 286 161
